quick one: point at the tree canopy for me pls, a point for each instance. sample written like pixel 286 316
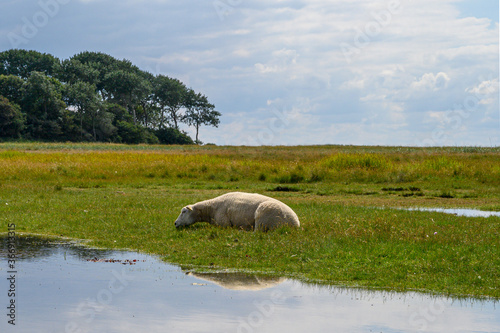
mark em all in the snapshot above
pixel 93 96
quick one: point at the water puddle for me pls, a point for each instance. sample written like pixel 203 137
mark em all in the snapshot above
pixel 457 211
pixel 62 287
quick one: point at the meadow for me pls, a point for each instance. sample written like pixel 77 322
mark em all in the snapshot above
pixel 346 197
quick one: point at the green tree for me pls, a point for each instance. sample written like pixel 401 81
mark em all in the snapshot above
pixel 127 89
pixel 101 69
pixel 11 119
pixel 43 106
pixel 84 97
pixel 147 113
pixel 199 112
pixel 70 131
pixel 21 63
pixel 102 64
pixel 147 110
pixel 169 95
pixel 10 87
pixel 73 71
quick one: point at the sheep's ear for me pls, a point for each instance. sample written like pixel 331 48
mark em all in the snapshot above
pixel 189 207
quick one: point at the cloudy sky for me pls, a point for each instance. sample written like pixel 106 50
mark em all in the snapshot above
pixel 364 72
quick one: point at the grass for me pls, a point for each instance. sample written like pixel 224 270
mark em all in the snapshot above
pixel 120 196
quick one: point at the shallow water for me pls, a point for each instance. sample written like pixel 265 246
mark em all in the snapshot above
pixel 458 211
pixel 62 287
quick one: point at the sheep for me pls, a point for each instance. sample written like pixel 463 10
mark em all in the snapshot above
pixel 240 210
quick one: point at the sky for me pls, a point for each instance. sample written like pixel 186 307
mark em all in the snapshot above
pixel 297 72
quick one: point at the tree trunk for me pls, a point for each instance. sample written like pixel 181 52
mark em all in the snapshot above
pixel 81 125
pixel 174 117
pixel 162 117
pixel 93 128
pixel 130 105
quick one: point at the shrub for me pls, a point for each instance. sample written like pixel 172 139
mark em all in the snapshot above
pixel 172 136
pixel 129 133
pixel 134 134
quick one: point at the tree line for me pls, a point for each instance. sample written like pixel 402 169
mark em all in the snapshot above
pixel 93 96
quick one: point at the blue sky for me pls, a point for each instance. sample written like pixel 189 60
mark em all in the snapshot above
pixel 393 72
pixel 482 8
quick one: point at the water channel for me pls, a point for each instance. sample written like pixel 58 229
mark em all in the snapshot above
pixel 63 287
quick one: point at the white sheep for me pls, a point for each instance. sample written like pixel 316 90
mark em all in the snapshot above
pixel 241 210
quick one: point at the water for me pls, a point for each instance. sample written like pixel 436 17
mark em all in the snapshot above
pixel 459 211
pixel 62 287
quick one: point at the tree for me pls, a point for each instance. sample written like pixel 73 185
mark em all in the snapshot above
pixel 43 106
pixel 70 131
pixel 84 97
pixel 147 113
pixel 98 68
pixel 21 63
pixel 102 64
pixel 11 119
pixel 169 94
pixel 73 71
pixel 127 89
pixel 10 87
pixel 199 112
pixel 147 110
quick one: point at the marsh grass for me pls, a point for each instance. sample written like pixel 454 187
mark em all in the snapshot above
pixel 272 164
pixel 128 197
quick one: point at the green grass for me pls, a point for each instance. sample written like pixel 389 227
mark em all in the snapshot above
pixel 120 196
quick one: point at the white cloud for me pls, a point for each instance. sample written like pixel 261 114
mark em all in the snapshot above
pixel 430 81
pixel 486 91
pixel 281 61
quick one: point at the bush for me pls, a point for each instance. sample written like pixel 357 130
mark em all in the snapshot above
pixel 150 138
pixel 134 134
pixel 172 136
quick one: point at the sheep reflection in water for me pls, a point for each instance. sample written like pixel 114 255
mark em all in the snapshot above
pixel 239 281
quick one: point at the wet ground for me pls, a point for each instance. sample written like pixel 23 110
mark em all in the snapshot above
pixel 62 287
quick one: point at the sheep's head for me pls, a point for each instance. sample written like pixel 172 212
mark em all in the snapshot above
pixel 186 217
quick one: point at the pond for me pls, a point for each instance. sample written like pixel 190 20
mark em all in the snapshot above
pixel 60 286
